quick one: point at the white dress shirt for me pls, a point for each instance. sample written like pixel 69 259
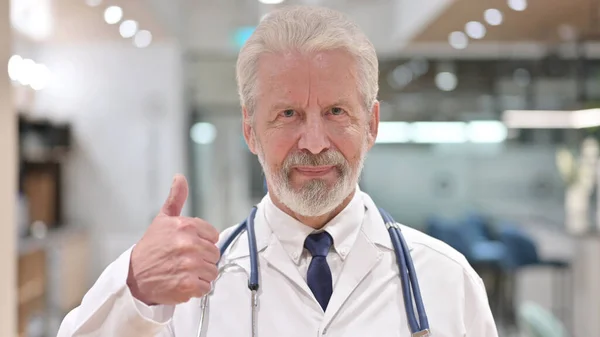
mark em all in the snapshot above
pixel 291 233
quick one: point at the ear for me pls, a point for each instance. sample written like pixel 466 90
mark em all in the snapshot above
pixel 247 129
pixel 373 124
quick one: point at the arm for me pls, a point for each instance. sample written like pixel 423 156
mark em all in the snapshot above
pixel 174 261
pixel 478 315
pixel 109 309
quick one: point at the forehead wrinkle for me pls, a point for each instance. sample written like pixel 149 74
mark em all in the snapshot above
pixel 291 79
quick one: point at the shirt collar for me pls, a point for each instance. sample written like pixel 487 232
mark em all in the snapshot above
pixel 291 233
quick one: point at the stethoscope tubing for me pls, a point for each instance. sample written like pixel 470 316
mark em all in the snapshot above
pixel 408 276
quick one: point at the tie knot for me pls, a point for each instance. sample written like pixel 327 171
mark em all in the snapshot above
pixel 318 244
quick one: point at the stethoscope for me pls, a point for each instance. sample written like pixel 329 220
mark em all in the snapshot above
pixel 410 285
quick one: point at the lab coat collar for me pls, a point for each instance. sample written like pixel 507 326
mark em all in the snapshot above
pixel 373 227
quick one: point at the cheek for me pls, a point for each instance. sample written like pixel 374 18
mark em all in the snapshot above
pixel 350 141
pixel 276 144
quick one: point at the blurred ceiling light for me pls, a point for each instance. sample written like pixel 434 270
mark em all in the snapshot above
pixel 493 17
pixel 26 72
pixel 93 3
pixel 128 28
pixel 517 5
pixel 270 2
pixel 32 18
pixel 203 133
pixel 522 77
pixel 541 119
pixel 419 66
pixel 393 132
pixel 446 81
pixel 142 39
pixel 14 67
pixel 486 132
pixel 40 77
pixel 439 132
pixel 458 40
pixel 475 30
pixel 401 76
pixel 589 118
pixel 113 15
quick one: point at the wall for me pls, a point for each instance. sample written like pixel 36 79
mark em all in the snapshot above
pixel 511 182
pixel 8 186
pixel 126 107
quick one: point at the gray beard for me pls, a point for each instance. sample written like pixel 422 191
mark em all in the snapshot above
pixel 316 197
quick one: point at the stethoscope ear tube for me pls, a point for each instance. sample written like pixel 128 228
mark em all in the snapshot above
pixel 408 278
pixel 415 286
pixel 253 280
pixel 406 290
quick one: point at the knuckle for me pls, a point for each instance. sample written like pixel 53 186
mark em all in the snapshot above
pixel 214 254
pixel 184 224
pixel 203 287
pixel 187 263
pixel 183 243
pixel 186 285
pixel 212 271
pixel 214 234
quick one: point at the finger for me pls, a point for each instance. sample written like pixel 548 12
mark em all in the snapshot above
pixel 209 252
pixel 177 197
pixel 208 272
pixel 190 287
pixel 207 231
pixel 202 288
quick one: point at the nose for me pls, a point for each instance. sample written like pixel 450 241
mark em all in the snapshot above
pixel 314 137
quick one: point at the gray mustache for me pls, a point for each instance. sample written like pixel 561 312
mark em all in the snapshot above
pixel 333 158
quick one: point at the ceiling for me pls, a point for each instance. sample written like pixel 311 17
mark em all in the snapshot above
pixel 72 21
pixel 402 28
pixel 542 21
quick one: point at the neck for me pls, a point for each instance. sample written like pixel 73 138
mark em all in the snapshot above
pixel 316 222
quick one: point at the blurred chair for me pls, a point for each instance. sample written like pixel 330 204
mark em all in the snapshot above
pixel 476 248
pixel 535 321
pixel 522 252
pixel 483 254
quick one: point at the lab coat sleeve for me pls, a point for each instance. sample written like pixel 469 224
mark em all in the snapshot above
pixel 109 309
pixel 478 315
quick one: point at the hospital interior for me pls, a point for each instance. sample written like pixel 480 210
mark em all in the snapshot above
pixel 488 141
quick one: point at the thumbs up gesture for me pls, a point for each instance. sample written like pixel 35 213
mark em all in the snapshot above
pixel 176 258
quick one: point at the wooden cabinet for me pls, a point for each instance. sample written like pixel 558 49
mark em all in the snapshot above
pixel 32 282
pixel 52 279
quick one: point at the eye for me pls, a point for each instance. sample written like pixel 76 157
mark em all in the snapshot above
pixel 337 111
pixel 288 113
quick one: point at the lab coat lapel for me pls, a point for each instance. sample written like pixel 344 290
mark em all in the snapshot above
pixel 363 257
pixel 277 258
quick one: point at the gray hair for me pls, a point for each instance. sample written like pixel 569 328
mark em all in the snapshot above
pixel 307 29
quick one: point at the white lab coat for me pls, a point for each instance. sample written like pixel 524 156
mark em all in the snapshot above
pixel 367 299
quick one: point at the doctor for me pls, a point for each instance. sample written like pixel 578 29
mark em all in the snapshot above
pixel 308 85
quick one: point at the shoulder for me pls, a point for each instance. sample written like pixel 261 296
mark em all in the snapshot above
pixel 437 253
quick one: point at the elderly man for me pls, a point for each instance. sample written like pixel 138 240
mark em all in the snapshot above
pixel 327 264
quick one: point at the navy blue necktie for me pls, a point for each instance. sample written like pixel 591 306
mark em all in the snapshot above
pixel 319 275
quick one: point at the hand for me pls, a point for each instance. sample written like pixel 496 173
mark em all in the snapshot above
pixel 176 258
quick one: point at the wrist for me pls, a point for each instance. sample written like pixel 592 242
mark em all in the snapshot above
pixel 134 288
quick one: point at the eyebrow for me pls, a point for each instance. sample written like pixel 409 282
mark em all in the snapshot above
pixel 283 105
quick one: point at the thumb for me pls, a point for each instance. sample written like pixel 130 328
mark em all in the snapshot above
pixel 177 197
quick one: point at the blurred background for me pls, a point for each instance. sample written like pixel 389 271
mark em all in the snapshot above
pixel 488 141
